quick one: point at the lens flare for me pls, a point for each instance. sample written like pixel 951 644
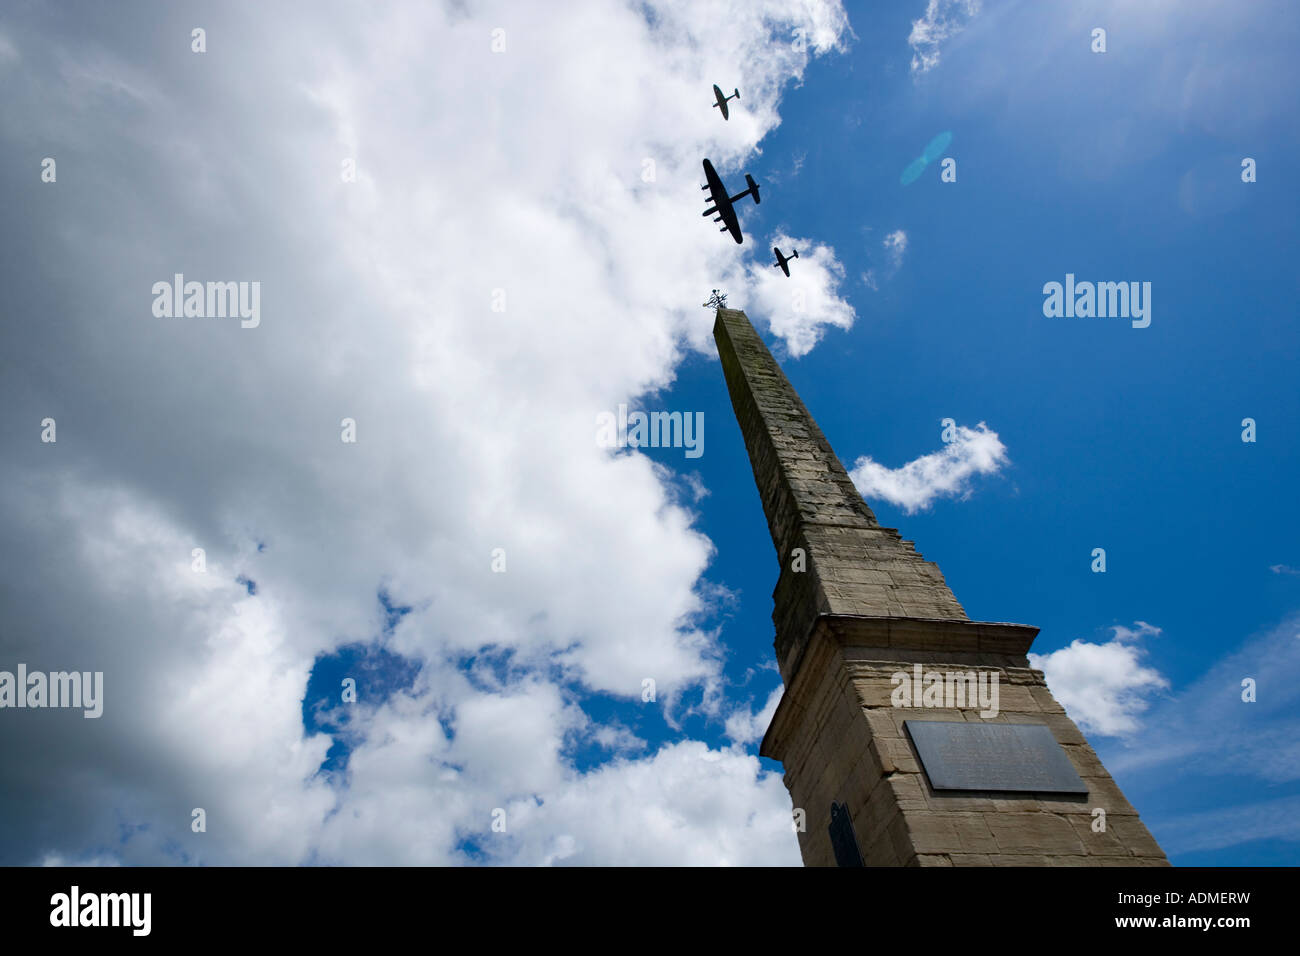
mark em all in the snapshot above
pixel 932 152
pixel 913 171
pixel 937 146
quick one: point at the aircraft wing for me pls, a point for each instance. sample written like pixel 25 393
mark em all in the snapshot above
pixel 722 100
pixel 721 202
pixel 729 220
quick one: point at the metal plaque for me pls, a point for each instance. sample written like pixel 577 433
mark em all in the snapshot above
pixel 984 756
pixel 843 840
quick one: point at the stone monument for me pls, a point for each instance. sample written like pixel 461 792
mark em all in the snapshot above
pixel 910 735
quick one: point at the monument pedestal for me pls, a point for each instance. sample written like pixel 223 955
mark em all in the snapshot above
pixel 845 744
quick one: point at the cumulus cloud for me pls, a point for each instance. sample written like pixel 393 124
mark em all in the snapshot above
pixel 940 474
pixel 685 804
pixel 801 307
pixel 1103 687
pixel 683 807
pixel 942 20
pixel 445 301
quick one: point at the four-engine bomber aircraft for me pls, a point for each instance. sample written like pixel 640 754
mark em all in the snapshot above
pixel 722 100
pixel 722 203
pixel 783 262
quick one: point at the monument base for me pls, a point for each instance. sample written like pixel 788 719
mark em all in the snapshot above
pixel 842 738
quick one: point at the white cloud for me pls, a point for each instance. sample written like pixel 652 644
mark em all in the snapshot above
pixel 943 473
pixel 943 19
pixel 1177 85
pixel 474 430
pixel 54 859
pixel 1259 740
pixel 699 491
pixel 1103 687
pixel 1140 630
pixel 678 808
pixel 1250 748
pixel 894 245
pixel 800 307
pixel 617 738
pixel 746 727
pixel 686 804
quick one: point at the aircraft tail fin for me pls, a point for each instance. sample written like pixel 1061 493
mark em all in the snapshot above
pixel 753 187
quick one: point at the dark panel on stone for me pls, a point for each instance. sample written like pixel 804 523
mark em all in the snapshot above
pixel 957 755
pixel 843 840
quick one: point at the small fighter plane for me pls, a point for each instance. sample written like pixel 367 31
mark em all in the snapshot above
pixel 722 100
pixel 783 262
pixel 722 203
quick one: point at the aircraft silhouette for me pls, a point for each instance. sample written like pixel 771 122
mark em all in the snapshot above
pixel 722 100
pixel 783 262
pixel 722 203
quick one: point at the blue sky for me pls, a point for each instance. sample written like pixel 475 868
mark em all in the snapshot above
pixel 488 173
pixel 1121 438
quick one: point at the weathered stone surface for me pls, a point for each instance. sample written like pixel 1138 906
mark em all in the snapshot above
pixel 811 503
pixel 865 606
pixel 1044 832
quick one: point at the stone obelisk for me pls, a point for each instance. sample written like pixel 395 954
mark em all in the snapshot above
pixel 890 751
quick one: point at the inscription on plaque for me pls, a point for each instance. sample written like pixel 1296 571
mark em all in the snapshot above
pixel 957 755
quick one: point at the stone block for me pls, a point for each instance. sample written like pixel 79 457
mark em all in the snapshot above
pixel 1017 859
pixel 1133 834
pixel 1033 833
pixel 974 834
pixel 1016 700
pixel 932 833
